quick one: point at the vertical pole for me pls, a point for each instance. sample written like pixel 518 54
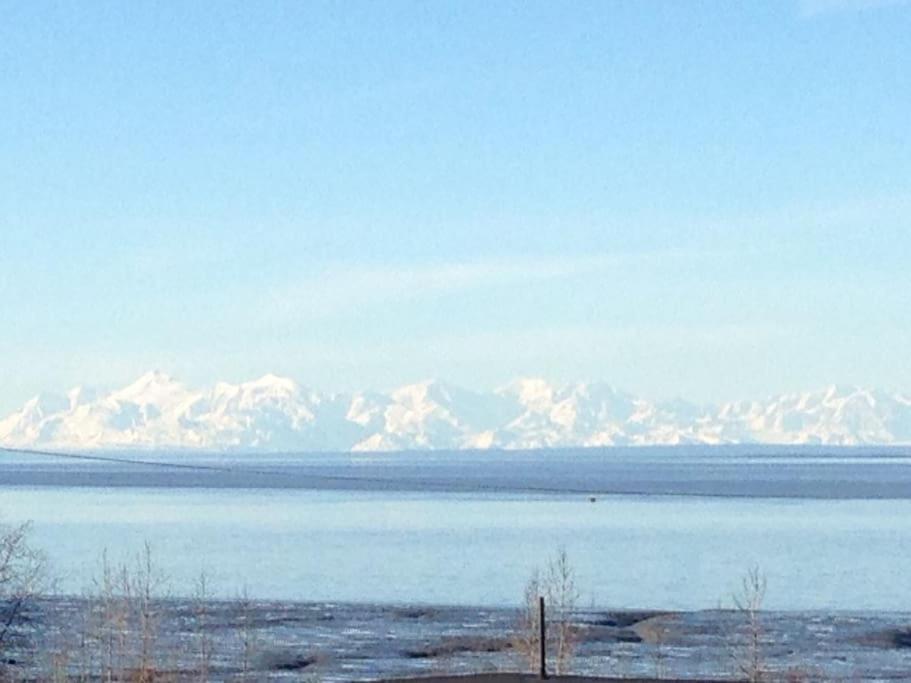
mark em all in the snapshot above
pixel 542 637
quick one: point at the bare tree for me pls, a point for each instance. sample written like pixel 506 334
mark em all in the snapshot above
pixel 749 603
pixel 527 637
pixel 109 610
pixel 562 596
pixel 84 661
pixel 557 585
pixel 204 649
pixel 22 577
pixel 145 586
pixel 247 633
pixel 125 612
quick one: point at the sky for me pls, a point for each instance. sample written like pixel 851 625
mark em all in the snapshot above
pixel 700 199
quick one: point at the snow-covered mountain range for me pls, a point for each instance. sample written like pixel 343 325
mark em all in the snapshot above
pixel 278 414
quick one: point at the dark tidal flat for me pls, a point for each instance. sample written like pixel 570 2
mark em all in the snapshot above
pixel 348 642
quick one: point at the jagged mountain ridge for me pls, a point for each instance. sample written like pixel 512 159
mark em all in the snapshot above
pixel 278 414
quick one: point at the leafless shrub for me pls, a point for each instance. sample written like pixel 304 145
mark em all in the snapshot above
pixel 527 637
pixel 125 619
pixel 557 585
pixel 204 643
pixel 563 596
pixel 247 633
pixel 84 656
pixel 109 616
pixel 146 584
pixel 749 603
pixel 22 577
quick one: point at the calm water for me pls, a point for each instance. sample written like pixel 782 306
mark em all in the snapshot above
pixel 475 533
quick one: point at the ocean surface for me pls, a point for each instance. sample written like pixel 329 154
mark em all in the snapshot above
pixel 644 528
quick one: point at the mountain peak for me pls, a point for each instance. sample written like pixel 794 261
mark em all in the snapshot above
pixel 271 381
pixel 274 412
pixel 152 387
pixel 839 391
pixel 80 395
pixel 45 403
pixel 434 390
pixel 155 376
pixel 530 390
pixel 152 378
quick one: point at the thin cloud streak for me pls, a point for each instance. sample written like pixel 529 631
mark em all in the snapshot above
pixel 343 288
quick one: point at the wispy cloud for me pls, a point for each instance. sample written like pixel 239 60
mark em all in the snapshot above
pixel 343 287
pixel 813 8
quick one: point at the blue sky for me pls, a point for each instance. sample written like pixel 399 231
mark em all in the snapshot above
pixel 702 199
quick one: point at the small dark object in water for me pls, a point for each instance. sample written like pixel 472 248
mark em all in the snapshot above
pixel 592 499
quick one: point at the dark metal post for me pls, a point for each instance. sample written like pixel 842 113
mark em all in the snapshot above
pixel 543 638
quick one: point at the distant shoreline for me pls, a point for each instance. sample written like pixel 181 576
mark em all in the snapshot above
pixel 709 472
